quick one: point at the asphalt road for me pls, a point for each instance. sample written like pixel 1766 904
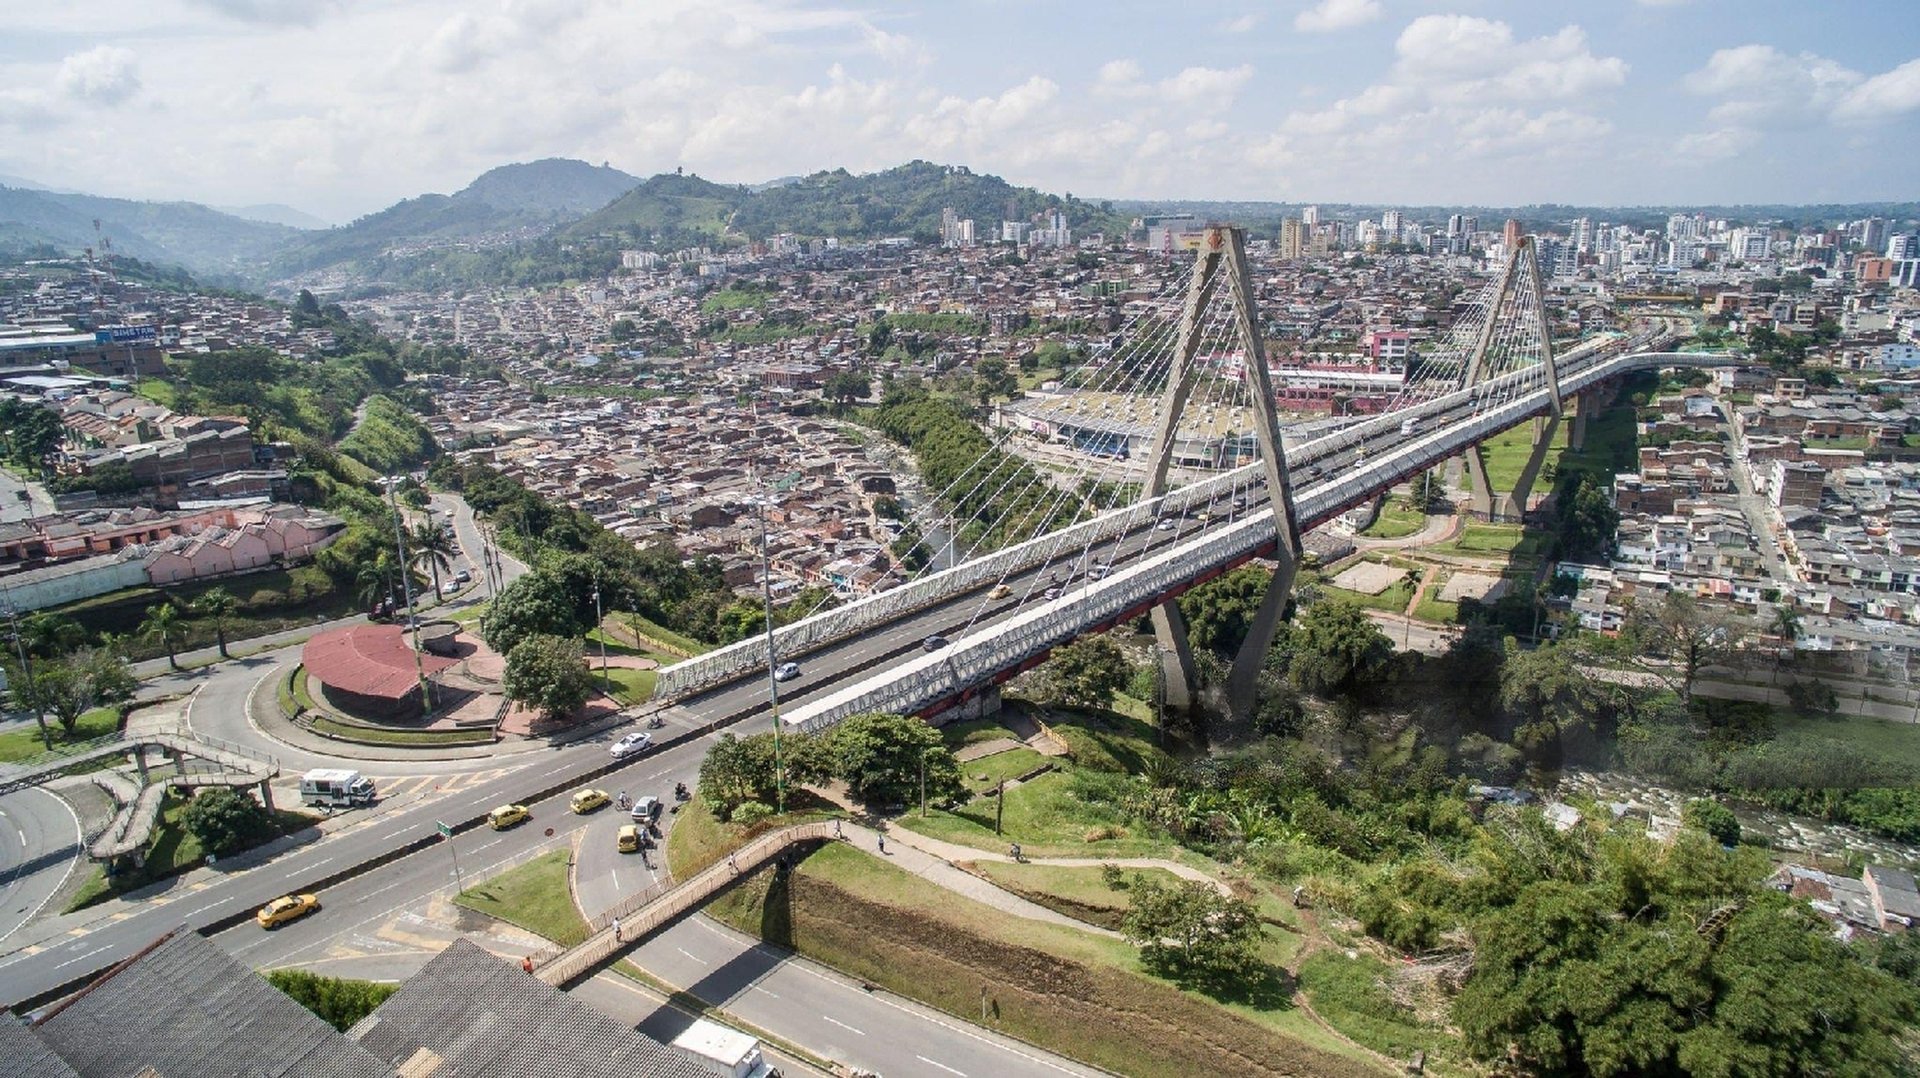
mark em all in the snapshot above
pixel 40 846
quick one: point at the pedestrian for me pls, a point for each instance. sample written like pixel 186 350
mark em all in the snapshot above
pixel 616 930
pixel 527 963
pixel 732 864
pixel 882 839
pixel 836 828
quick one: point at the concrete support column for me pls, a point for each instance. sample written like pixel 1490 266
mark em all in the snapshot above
pixel 140 763
pixel 266 794
pixel 1178 677
pixel 1585 404
pixel 1479 490
pixel 1544 429
pixel 1243 681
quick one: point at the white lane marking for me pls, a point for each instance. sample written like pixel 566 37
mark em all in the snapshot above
pixel 842 1025
pixel 83 957
pixel 942 1066
pixel 322 861
pixel 763 991
pixel 79 835
pixel 487 845
pixel 691 955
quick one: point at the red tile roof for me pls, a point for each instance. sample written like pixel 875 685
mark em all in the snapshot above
pixel 372 660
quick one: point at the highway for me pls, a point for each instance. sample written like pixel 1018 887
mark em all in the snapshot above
pixel 40 846
pixel 221 709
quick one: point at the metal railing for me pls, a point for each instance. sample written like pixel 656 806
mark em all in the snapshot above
pixel 643 913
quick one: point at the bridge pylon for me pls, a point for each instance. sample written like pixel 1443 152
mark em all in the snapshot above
pixel 1223 255
pixel 1522 271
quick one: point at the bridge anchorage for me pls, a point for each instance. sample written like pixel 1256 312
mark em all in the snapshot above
pixel 1162 465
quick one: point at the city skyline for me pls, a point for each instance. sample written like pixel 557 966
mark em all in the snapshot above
pixel 339 108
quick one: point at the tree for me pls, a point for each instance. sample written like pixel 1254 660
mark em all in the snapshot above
pixel 1191 932
pixel 536 604
pixel 163 621
pixel 217 604
pixel 847 385
pixel 1087 672
pixel 1714 818
pixel 45 634
pixel 70 686
pixel 1427 493
pixel 432 547
pixel 548 673
pixel 1336 649
pixel 227 821
pixel 338 1001
pixel 1220 611
pixel 29 432
pixel 993 379
pixel 880 755
pixel 1558 709
pixel 1587 520
pixel 1687 638
pixel 624 330
pixel 742 770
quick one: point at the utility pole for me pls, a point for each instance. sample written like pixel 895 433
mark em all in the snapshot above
pixel 923 783
pixel 599 616
pixel 773 679
pixel 26 669
pixel 406 587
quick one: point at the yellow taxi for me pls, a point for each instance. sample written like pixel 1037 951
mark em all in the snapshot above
pixel 507 815
pixel 629 838
pixel 1000 592
pixel 585 801
pixel 286 908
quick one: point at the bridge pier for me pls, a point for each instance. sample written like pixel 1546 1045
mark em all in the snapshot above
pixel 1243 681
pixel 266 795
pixel 1509 506
pixel 1178 677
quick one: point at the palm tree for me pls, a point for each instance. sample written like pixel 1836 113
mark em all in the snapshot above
pixel 50 635
pixel 217 605
pixel 1786 626
pixel 1412 580
pixel 430 545
pixel 372 578
pixel 163 621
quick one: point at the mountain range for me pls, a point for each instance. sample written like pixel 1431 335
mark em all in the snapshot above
pixel 557 218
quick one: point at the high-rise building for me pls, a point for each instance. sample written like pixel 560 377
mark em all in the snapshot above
pixel 1510 235
pixel 1309 215
pixel 1869 232
pixel 1292 237
pixel 1456 224
pixel 1580 234
pixel 1390 226
pixel 1014 231
pixel 1902 247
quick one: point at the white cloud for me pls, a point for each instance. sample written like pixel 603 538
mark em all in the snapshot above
pixel 1241 25
pixel 1886 95
pixel 1330 15
pixel 1762 89
pixel 1189 86
pixel 102 75
pixel 273 12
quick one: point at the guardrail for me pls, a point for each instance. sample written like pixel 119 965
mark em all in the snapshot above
pixel 726 663
pixel 925 681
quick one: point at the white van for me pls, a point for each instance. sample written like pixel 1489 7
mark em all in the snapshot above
pixel 335 788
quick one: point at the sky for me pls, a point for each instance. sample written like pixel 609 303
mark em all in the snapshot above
pixel 341 107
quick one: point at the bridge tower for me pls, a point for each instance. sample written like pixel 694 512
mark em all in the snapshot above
pixel 1223 254
pixel 1519 281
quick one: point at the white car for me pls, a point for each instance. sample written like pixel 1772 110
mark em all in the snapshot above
pixel 632 745
pixel 786 671
pixel 1165 526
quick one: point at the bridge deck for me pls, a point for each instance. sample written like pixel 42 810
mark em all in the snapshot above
pixel 646 912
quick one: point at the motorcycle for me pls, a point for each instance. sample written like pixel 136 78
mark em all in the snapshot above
pixel 680 791
pixel 656 723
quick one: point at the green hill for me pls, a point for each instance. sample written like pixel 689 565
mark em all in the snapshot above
pixel 205 241
pixel 903 201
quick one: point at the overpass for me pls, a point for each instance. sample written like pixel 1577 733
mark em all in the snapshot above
pixel 1015 604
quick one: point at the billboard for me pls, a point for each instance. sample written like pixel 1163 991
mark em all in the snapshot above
pixel 125 335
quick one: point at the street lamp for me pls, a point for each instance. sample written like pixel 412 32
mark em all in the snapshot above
pixel 773 677
pixel 599 617
pixel 406 590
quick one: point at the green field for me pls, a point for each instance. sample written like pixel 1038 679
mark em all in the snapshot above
pixel 989 771
pixel 25 743
pixel 536 896
pixel 1484 540
pixel 1081 893
pixel 1395 521
pixel 630 688
pixel 1393 600
pixel 172 851
pixel 1896 742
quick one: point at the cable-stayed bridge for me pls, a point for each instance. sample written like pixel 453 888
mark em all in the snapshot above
pixel 1186 396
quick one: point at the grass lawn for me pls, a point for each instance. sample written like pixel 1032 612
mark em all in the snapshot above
pixel 1046 817
pixel 1434 610
pixel 1351 995
pixel 1484 540
pixel 378 736
pixel 536 896
pixel 173 850
pixel 1506 454
pixel 1395 521
pixel 25 743
pixel 1080 893
pixel 629 687
pixel 696 839
pixel 1897 742
pixel 973 732
pixel 666 639
pixel 1106 740
pixel 158 391
pixel 987 771
pixel 1065 990
pixel 1393 600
